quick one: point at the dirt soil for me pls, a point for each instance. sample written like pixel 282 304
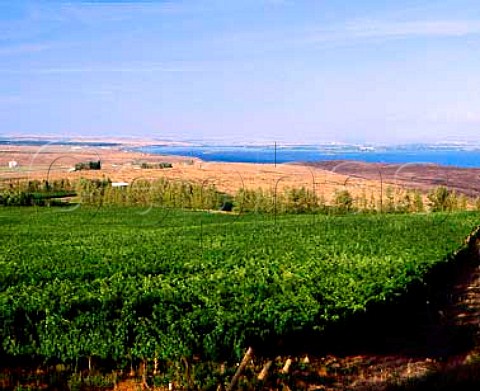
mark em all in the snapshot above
pixel 119 165
pixel 417 176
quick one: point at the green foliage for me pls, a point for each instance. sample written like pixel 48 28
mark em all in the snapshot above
pixel 122 284
pixel 442 199
pixel 290 200
pixel 91 165
pixel 36 193
pixel 205 196
pixel 418 202
pixel 301 200
pixel 390 205
pixel 343 200
pixel 462 202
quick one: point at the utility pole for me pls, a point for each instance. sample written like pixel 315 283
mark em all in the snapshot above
pixel 275 154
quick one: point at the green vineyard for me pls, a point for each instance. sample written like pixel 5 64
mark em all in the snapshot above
pixel 132 284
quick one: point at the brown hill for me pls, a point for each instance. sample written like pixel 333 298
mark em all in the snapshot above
pixel 414 176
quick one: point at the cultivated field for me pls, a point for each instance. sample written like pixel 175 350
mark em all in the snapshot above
pixel 150 285
pixel 160 289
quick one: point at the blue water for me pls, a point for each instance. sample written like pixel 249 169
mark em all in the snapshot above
pixel 460 158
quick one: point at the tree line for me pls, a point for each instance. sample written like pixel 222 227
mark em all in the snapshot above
pixel 205 196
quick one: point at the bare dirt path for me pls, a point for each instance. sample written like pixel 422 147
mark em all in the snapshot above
pixel 435 332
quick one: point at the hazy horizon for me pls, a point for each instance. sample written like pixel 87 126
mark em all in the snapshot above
pixel 269 70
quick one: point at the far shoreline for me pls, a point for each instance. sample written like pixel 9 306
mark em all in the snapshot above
pixel 122 163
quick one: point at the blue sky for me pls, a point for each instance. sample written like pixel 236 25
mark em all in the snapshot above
pixel 249 70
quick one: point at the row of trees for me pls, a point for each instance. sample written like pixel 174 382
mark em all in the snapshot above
pixel 439 199
pixel 302 200
pixel 162 192
pixel 150 166
pixel 91 165
pixel 192 195
pixel 35 192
